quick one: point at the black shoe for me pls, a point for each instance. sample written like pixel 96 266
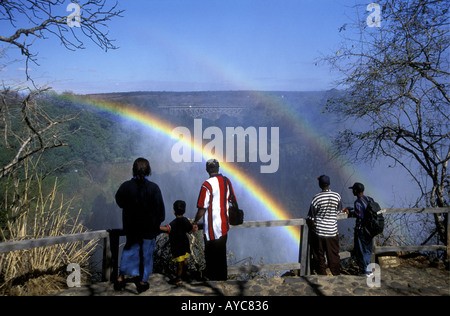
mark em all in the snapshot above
pixel 119 285
pixel 142 287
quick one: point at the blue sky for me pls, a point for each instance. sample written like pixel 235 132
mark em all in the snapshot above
pixel 192 45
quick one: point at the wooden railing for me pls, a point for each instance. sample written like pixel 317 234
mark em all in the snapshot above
pixel 50 241
pixel 111 244
pixel 303 258
pixel 380 249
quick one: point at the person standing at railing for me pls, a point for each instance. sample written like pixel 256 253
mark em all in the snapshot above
pixel 322 221
pixel 143 213
pixel 363 243
pixel 179 241
pixel 213 203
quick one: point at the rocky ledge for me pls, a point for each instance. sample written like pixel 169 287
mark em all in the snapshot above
pixel 397 281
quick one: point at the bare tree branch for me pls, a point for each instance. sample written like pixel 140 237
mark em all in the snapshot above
pixel 395 97
pixel 25 128
pixel 38 126
pixel 94 17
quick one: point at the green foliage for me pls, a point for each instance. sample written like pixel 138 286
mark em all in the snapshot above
pixel 93 138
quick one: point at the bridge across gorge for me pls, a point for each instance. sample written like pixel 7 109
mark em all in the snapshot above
pixel 111 244
pixel 202 110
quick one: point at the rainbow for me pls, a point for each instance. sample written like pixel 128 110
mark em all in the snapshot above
pixel 311 136
pixel 128 111
pixel 238 81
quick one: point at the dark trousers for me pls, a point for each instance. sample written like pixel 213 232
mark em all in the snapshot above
pixel 321 246
pixel 216 259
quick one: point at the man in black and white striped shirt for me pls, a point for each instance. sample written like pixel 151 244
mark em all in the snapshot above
pixel 324 238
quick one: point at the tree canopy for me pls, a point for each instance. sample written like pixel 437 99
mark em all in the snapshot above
pixel 395 82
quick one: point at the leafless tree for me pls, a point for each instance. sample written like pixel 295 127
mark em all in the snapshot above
pixel 395 93
pixel 25 128
pixel 89 18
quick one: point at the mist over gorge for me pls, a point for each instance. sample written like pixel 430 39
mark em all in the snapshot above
pixel 105 143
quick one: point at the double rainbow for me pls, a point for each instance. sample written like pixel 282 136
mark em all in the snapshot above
pixel 164 128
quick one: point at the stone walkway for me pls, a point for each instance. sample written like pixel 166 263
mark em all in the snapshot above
pixel 402 280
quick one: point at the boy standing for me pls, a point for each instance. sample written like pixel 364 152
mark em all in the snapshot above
pixel 179 241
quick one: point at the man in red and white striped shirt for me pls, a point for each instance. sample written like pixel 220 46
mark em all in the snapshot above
pixel 213 201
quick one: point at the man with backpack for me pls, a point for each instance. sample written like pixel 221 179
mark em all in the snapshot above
pixel 369 223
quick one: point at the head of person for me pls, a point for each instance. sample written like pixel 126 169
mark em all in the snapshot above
pixel 141 169
pixel 324 181
pixel 212 166
pixel 357 189
pixel 179 207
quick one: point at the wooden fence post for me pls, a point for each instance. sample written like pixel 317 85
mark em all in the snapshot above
pixel 107 259
pixel 303 258
pixel 448 239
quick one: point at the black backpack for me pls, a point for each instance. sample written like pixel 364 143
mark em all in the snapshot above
pixel 373 220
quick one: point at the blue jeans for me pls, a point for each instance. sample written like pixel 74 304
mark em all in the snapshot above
pixel 363 247
pixel 137 258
